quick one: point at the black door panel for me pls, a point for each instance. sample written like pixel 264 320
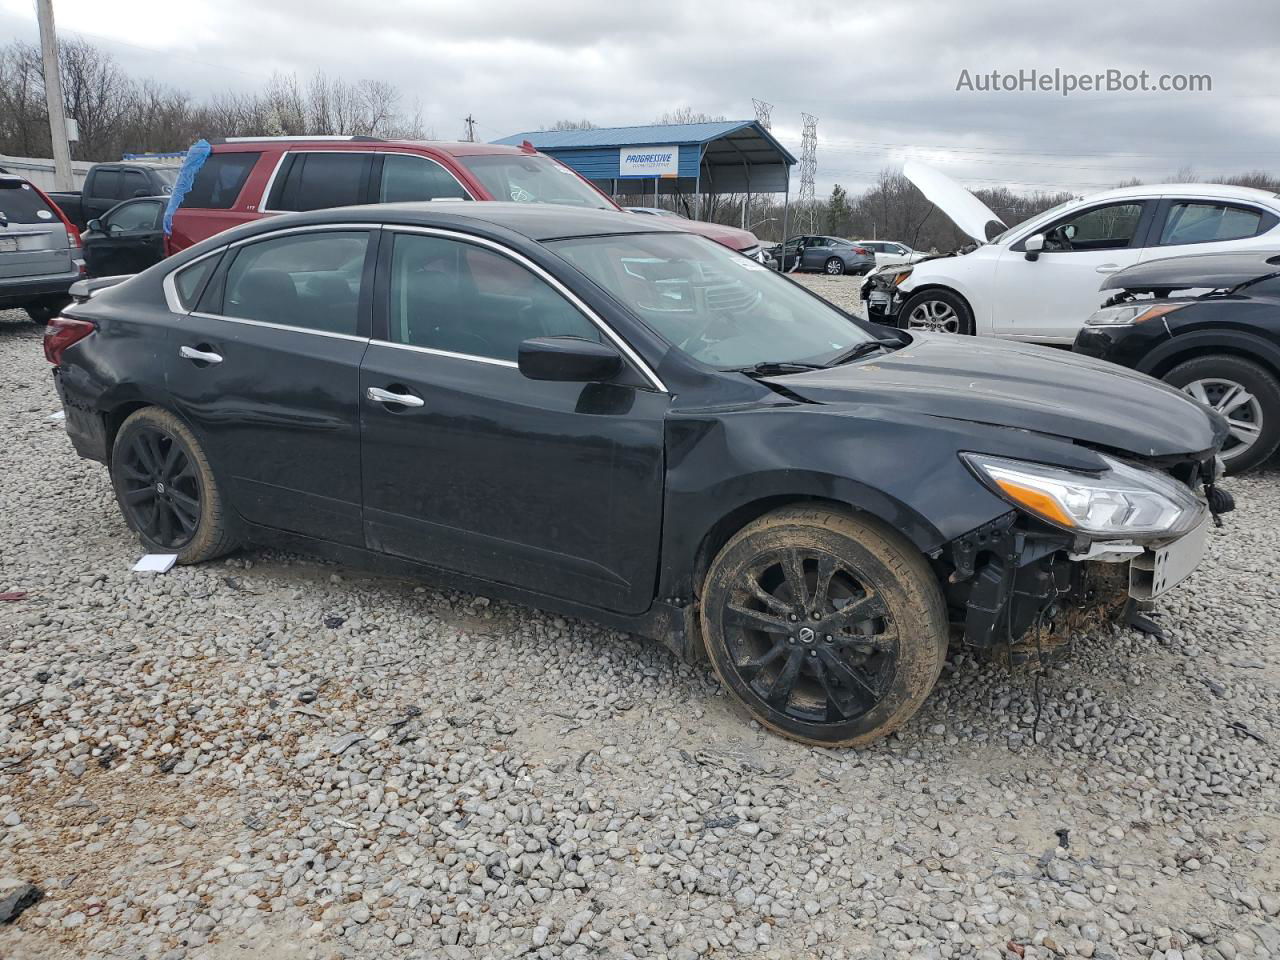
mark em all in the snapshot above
pixel 552 487
pixel 278 415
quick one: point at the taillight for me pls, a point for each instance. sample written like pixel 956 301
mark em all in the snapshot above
pixel 860 251
pixel 73 237
pixel 61 333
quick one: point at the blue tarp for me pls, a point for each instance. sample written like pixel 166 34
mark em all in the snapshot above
pixel 196 157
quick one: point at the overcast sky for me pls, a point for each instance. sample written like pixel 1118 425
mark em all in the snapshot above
pixel 881 77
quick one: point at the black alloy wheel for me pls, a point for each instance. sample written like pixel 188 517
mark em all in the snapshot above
pixel 160 489
pixel 826 627
pixel 811 638
pixel 166 488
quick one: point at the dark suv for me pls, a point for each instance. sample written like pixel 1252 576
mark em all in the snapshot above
pixel 244 179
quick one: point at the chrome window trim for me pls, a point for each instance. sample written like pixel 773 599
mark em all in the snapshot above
pixel 288 328
pixel 542 274
pixel 304 228
pixel 170 283
pixel 446 353
pixel 271 180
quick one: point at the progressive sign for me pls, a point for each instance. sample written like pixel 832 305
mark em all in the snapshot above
pixel 649 162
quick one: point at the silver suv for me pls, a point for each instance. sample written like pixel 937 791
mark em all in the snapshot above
pixel 39 251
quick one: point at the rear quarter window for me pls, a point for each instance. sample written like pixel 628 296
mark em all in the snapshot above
pixel 220 180
pixel 21 204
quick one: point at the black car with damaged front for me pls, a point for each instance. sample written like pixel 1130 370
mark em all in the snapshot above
pixel 599 414
pixel 1208 325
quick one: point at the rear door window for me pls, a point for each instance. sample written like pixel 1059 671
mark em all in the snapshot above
pixel 131 182
pixel 106 184
pixel 218 183
pixel 406 177
pixel 307 280
pixel 1203 222
pixel 21 204
pixel 318 181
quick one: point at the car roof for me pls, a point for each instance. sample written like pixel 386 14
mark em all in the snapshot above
pixel 454 148
pixel 536 221
pixel 1222 190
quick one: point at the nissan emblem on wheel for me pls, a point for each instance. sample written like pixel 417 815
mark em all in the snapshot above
pixel 605 415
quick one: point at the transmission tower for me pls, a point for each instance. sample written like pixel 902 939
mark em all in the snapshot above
pixel 806 204
pixel 763 113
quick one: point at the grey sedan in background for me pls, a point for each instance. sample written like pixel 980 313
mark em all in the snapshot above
pixel 832 255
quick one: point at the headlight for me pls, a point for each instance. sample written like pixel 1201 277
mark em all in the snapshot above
pixel 1120 502
pixel 1127 314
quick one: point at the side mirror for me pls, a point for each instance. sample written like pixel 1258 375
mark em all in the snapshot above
pixel 94 226
pixel 569 359
pixel 1033 246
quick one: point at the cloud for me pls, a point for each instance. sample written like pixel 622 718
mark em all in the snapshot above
pixel 880 77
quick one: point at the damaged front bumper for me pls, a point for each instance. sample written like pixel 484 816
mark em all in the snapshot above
pixel 1018 592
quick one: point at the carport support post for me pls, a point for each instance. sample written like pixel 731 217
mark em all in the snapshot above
pixel 786 196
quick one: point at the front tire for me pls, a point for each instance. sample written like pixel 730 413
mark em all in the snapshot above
pixel 1247 394
pixel 825 627
pixel 834 266
pixel 166 489
pixel 936 311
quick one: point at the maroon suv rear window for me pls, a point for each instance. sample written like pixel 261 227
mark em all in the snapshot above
pixel 219 181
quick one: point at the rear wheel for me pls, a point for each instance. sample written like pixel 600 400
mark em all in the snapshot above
pixel 166 488
pixel 834 266
pixel 937 311
pixel 45 310
pixel 1247 394
pixel 825 627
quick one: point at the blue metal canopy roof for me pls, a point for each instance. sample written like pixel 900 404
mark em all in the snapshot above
pixel 718 156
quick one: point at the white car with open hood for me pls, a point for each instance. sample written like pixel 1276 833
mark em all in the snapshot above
pixel 1040 279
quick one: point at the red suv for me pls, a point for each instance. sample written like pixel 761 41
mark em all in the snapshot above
pixel 246 178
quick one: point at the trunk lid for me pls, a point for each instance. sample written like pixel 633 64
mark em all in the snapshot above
pixel 965 210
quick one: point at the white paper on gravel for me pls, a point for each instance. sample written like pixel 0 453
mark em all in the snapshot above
pixel 156 563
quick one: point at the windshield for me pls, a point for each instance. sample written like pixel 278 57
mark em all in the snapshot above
pixel 716 305
pixel 999 237
pixel 21 204
pixel 533 179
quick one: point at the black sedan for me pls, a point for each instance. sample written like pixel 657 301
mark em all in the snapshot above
pixel 1218 341
pixel 599 414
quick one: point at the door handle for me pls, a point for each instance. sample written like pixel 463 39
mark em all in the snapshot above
pixel 204 356
pixel 1106 268
pixel 378 395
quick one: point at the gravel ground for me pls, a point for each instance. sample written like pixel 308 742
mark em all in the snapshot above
pixel 272 757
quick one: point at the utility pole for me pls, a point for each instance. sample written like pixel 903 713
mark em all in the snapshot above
pixel 470 121
pixel 62 177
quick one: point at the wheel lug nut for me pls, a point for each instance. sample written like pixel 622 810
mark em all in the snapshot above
pixel 828 638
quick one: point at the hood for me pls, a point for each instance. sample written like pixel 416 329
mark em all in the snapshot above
pixel 731 237
pixel 1214 271
pixel 965 210
pixel 1026 387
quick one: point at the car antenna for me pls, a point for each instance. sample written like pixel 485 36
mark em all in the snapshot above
pixel 528 147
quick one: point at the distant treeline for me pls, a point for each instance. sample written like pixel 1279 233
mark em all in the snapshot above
pixel 118 114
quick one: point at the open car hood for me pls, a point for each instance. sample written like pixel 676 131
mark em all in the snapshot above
pixel 1213 271
pixel 1024 387
pixel 967 212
